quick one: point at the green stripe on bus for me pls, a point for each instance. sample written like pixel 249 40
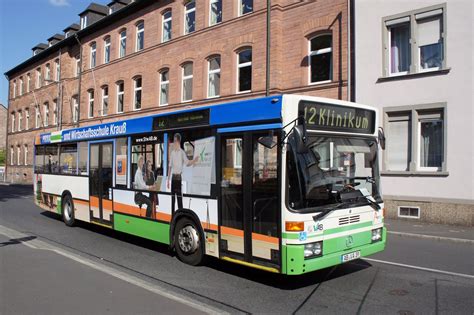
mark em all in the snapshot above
pixel 55 137
pixel 295 235
pixel 152 230
pixel 58 205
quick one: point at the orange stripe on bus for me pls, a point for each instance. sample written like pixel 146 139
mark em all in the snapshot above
pixel 127 209
pixel 107 204
pixel 265 238
pixel 232 231
pixel 209 226
pixel 94 201
pixel 163 216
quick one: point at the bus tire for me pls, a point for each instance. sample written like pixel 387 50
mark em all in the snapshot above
pixel 67 206
pixel 188 242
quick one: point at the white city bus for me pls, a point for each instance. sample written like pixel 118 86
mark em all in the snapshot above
pixel 287 183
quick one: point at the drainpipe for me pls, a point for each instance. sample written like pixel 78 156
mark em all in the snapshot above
pixel 79 81
pixel 59 105
pixel 267 74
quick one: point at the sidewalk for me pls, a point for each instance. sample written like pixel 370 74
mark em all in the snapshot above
pixel 429 230
pixel 38 281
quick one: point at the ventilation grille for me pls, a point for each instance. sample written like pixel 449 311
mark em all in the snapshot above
pixel 409 212
pixel 348 220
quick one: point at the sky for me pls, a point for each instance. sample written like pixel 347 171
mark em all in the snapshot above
pixel 26 23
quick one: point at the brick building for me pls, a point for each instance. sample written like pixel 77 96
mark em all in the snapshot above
pixel 143 57
pixel 3 127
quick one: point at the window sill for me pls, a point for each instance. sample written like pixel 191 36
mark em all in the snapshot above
pixel 415 173
pixel 416 75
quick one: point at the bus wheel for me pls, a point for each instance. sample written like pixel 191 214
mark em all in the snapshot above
pixel 68 210
pixel 188 242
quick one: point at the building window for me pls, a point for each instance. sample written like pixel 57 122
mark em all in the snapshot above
pixel 12 156
pixel 320 59
pixel 13 121
pixel 21 86
pixel 120 95
pixel 14 88
pixel 18 155
pixel 190 17
pixel 55 112
pixel 37 117
pixel 93 55
pixel 39 78
pixel 140 36
pixel 58 70
pixel 416 139
pixel 20 120
pixel 167 25
pixel 123 43
pixel 25 149
pixel 105 100
pixel 107 49
pixel 27 119
pixel 78 65
pixel 83 22
pixel 46 114
pixel 245 70
pixel 245 6
pixel 75 109
pixel 215 10
pixel 47 75
pixel 28 83
pixel 423 28
pixel 164 86
pixel 187 94
pixel 214 76
pixel 91 103
pixel 137 92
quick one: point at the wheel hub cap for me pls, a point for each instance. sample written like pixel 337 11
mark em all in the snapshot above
pixel 188 239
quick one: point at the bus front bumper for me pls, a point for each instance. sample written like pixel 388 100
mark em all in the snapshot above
pixel 296 264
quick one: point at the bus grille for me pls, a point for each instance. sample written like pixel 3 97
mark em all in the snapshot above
pixel 348 220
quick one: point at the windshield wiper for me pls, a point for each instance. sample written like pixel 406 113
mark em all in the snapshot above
pixel 372 203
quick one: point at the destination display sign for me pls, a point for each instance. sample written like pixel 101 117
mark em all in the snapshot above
pixel 320 116
pixel 194 118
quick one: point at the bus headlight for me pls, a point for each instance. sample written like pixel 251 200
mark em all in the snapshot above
pixel 376 235
pixel 313 250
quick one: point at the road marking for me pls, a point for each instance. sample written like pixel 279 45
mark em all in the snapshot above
pixel 439 238
pixel 421 268
pixel 154 288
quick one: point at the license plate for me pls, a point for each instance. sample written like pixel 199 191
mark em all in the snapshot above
pixel 350 256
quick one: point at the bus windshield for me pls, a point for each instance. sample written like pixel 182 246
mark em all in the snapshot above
pixel 333 173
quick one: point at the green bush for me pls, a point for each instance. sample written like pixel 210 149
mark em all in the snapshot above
pixel 2 157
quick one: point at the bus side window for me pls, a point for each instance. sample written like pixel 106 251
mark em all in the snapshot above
pixel 68 159
pixel 83 149
pixel 39 159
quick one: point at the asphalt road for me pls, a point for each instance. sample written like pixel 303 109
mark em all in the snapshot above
pixel 362 286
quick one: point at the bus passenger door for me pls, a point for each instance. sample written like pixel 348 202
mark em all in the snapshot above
pixel 100 182
pixel 249 203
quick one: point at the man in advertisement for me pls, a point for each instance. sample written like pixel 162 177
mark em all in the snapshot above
pixel 177 161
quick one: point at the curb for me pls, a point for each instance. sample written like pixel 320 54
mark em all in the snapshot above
pixel 433 237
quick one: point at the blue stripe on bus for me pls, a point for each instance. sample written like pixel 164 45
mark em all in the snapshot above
pixel 261 109
pixel 249 128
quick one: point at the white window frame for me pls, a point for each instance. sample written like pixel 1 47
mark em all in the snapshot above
pixel 46 114
pixel 47 75
pixel 389 40
pixel 164 21
pixel 211 2
pixel 21 86
pixel 408 216
pixel 184 78
pixel 186 12
pixel 241 8
pixel 140 30
pixel 13 121
pixel 20 120
pixel 28 83
pixel 91 101
pixel 418 147
pixel 320 52
pixel 78 65
pixel 107 50
pixel 93 55
pixel 210 72
pixel 14 88
pixel 25 151
pixel 75 109
pixel 120 93
pixel 18 155
pixel 135 90
pixel 12 155
pixel 58 70
pixel 37 117
pixel 55 112
pixel 39 78
pixel 243 65
pixel 162 83
pixel 122 37
pixel 27 119
pixel 105 98
pixel 83 22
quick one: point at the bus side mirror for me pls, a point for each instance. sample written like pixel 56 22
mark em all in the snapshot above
pixel 268 141
pixel 381 138
pixel 300 138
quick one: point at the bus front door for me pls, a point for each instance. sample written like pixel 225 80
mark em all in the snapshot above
pixel 249 203
pixel 100 182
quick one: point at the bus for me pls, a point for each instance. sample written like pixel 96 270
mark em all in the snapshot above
pixel 287 184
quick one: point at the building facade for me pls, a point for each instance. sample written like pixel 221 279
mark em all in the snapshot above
pixel 414 62
pixel 144 57
pixel 3 127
